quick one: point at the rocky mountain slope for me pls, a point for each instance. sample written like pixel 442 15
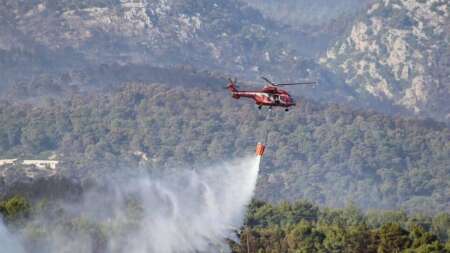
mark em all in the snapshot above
pixel 395 58
pixel 225 36
pixel 400 54
pixel 307 12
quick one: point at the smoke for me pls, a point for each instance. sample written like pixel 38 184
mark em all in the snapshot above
pixel 8 242
pixel 174 212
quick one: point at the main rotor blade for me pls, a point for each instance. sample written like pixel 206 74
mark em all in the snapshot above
pixel 300 83
pixel 267 80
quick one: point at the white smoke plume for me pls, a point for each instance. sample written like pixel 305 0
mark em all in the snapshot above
pixel 176 212
pixel 8 242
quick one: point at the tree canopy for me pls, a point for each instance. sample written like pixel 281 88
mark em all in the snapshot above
pixel 328 154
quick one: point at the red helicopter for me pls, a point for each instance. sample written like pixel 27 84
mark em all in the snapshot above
pixel 270 95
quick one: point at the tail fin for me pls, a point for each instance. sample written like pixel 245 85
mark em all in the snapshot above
pixel 233 89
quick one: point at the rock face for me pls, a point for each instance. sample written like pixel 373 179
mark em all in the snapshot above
pixel 395 57
pixel 309 12
pixel 226 36
pixel 400 54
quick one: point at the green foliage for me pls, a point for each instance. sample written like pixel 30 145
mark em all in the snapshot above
pixel 377 219
pixel 285 227
pixel 327 154
pixel 335 230
pixel 441 226
pixel 262 214
pixel 349 216
pixel 15 209
pixel 393 238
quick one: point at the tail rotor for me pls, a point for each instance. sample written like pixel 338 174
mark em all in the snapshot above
pixel 232 86
pixel 232 82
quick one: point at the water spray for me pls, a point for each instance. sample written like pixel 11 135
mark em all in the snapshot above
pixel 190 211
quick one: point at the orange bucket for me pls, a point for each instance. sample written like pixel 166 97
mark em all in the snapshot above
pixel 260 148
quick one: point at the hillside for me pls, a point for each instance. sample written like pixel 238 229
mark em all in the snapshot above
pixel 118 134
pixel 299 226
pixel 225 36
pixel 392 57
pixel 399 53
pixel 307 12
pixel 328 154
pixel 302 227
pixel 84 43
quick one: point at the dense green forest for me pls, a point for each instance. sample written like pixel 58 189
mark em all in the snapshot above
pixel 303 227
pixel 324 153
pixel 296 227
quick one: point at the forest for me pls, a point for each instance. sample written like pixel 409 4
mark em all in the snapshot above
pixel 123 92
pixel 303 227
pixel 328 154
pixel 296 227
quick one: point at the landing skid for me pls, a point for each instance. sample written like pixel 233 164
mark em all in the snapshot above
pixel 270 108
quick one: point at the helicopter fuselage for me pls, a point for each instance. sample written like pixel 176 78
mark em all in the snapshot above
pixel 268 96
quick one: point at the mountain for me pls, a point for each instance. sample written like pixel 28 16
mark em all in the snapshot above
pixel 313 26
pixel 118 87
pixel 394 58
pixel 93 60
pixel 399 53
pixel 328 154
pixel 223 36
pixel 56 40
pixel 307 12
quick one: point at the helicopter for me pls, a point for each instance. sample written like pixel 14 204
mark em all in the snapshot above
pixel 271 95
